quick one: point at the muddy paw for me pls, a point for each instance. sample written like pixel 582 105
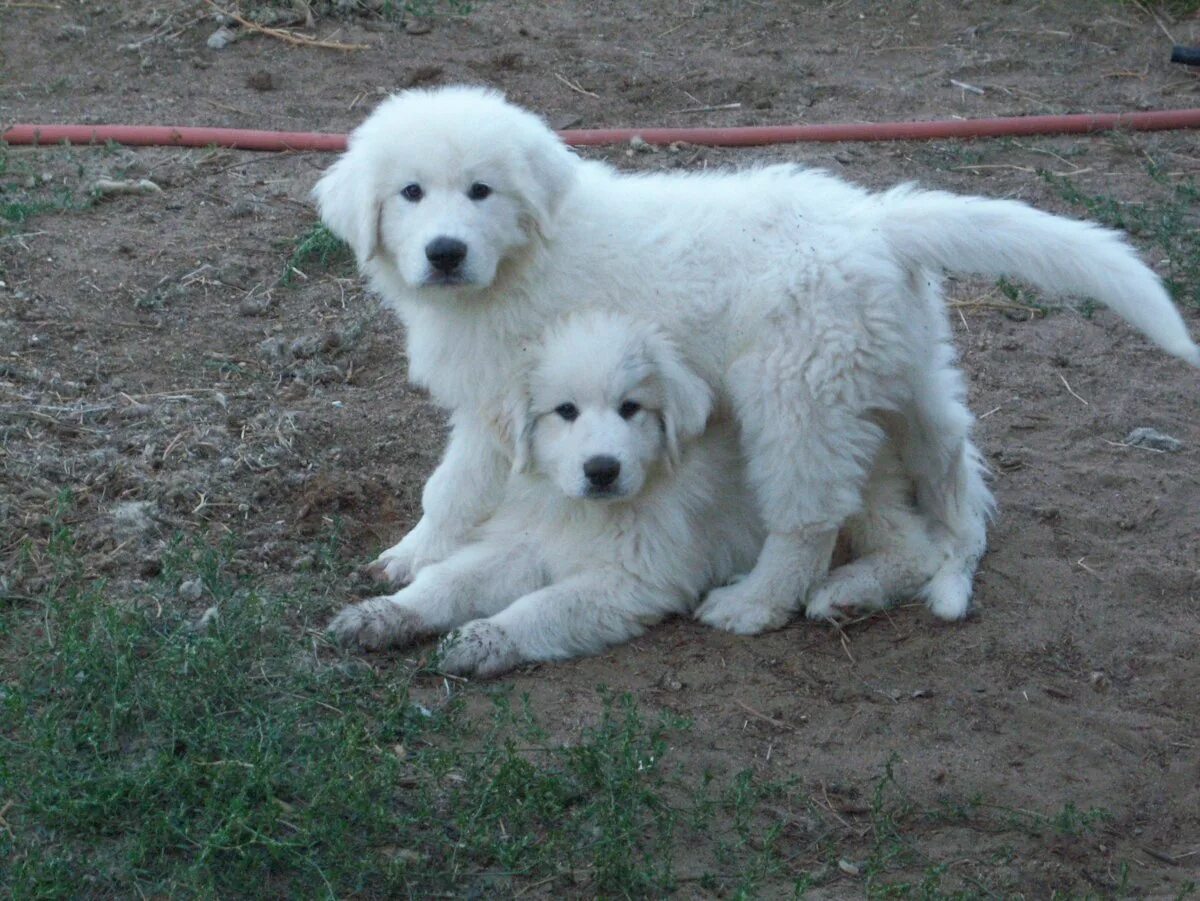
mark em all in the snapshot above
pixel 392 570
pixel 374 624
pixel 480 648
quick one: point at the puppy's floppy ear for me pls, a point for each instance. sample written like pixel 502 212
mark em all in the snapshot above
pixel 516 424
pixel 546 172
pixel 347 200
pixel 687 399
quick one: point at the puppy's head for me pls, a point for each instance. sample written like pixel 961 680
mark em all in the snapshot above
pixel 609 400
pixel 444 185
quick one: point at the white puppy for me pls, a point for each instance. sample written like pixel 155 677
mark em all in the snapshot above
pixel 621 509
pixel 812 307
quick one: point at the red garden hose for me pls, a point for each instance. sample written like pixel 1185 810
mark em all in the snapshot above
pixel 242 139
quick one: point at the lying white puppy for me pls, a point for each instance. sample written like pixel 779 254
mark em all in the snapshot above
pixel 811 306
pixel 622 508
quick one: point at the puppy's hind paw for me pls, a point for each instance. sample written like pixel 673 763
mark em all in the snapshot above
pixel 374 624
pixel 480 648
pixel 948 595
pixel 836 600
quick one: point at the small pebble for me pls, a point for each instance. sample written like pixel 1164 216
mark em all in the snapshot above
pixel 191 589
pixel 221 38
pixel 417 26
pixel 1154 439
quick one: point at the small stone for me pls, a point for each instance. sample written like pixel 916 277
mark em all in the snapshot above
pixel 205 622
pixel 850 869
pixel 221 38
pixel 1154 439
pixel 191 590
pixel 670 681
pixel 417 26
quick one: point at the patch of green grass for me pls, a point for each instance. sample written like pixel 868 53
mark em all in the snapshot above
pixel 25 193
pixel 144 756
pixel 1167 223
pixel 317 247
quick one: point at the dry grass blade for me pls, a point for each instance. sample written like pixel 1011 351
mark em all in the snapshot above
pixel 981 304
pixel 282 34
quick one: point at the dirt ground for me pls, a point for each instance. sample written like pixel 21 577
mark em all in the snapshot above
pixel 153 362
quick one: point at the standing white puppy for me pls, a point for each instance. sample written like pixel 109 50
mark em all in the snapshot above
pixel 812 306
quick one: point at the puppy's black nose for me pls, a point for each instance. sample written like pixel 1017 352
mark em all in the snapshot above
pixel 444 254
pixel 601 471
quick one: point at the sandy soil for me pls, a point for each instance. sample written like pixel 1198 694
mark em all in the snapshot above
pixel 152 362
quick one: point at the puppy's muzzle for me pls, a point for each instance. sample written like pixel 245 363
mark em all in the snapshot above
pixel 445 254
pixel 601 471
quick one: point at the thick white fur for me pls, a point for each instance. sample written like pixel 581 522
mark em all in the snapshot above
pixel 558 572
pixel 812 306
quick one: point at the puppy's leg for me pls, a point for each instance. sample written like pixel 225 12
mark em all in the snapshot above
pixel 576 617
pixel 895 554
pixel 462 492
pixel 949 477
pixel 808 452
pixel 477 580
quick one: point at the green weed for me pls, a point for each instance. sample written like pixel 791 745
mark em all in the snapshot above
pixel 318 246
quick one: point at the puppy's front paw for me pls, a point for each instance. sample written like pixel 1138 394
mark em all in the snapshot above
pixel 736 608
pixel 374 624
pixel 392 571
pixel 480 648
pixel 400 564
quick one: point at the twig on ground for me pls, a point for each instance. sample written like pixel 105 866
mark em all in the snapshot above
pixel 282 34
pixel 575 87
pixel 762 716
pixel 1072 390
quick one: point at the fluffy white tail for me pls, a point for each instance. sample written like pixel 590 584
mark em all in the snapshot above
pixel 975 235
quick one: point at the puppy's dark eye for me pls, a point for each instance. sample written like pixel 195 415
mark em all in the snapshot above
pixel 479 191
pixel 629 409
pixel 412 193
pixel 569 412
